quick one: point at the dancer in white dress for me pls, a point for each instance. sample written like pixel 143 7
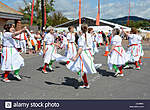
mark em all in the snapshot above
pixel 134 50
pixel 99 38
pixel 11 59
pixel 83 60
pixel 94 42
pixel 71 52
pixel 49 49
pixel 64 43
pixel 117 56
pixel 141 52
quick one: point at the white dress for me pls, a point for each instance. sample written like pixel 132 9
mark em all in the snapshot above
pixel 51 50
pixel 141 52
pixel 99 38
pixel 84 62
pixel 11 59
pixel 134 50
pixel 18 43
pixel 72 51
pixel 94 49
pixel 118 55
pixel 64 44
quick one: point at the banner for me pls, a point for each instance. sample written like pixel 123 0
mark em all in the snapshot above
pixel 79 11
pixel 32 12
pixel 98 14
pixel 45 19
pixel 74 104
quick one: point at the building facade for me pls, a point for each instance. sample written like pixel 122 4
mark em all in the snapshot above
pixel 9 15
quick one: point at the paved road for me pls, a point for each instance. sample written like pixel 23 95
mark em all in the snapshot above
pixel 62 84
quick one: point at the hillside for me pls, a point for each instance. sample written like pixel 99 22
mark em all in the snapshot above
pixel 123 20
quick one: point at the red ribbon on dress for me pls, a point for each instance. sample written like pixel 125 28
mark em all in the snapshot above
pixel 90 53
pixel 25 38
pixel 82 63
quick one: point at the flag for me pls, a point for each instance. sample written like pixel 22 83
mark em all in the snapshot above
pixel 32 12
pixel 79 11
pixel 45 19
pixel 98 14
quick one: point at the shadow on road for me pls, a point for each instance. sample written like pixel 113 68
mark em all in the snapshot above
pixel 40 69
pixel 11 76
pixel 68 82
pixel 105 73
pixel 62 63
pixel 47 69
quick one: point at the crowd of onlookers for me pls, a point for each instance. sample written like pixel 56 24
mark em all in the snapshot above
pixel 32 43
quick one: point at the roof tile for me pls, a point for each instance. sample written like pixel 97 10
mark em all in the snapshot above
pixel 6 9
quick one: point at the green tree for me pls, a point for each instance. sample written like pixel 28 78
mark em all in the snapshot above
pixel 139 24
pixel 58 18
pixel 37 19
pixel 53 18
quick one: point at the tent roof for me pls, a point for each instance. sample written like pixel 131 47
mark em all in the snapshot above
pixel 90 21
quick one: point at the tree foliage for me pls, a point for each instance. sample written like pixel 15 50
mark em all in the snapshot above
pixel 139 24
pixel 53 18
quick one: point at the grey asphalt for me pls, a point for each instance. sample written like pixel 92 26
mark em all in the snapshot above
pixel 63 84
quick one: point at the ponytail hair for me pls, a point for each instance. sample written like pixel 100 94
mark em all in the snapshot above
pixel 84 29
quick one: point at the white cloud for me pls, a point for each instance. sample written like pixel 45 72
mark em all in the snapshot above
pixel 108 9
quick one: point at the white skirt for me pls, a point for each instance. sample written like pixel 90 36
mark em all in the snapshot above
pixel 72 51
pixel 133 53
pixel 141 52
pixel 84 63
pixel 95 49
pixel 118 57
pixel 51 54
pixel 11 59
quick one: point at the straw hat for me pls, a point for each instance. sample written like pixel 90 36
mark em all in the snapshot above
pixel 49 28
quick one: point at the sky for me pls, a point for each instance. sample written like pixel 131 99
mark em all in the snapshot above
pixel 109 8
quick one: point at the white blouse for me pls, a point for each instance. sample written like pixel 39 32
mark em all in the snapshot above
pixel 7 40
pixel 134 39
pixel 49 38
pixel 116 40
pixel 71 37
pixel 82 42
